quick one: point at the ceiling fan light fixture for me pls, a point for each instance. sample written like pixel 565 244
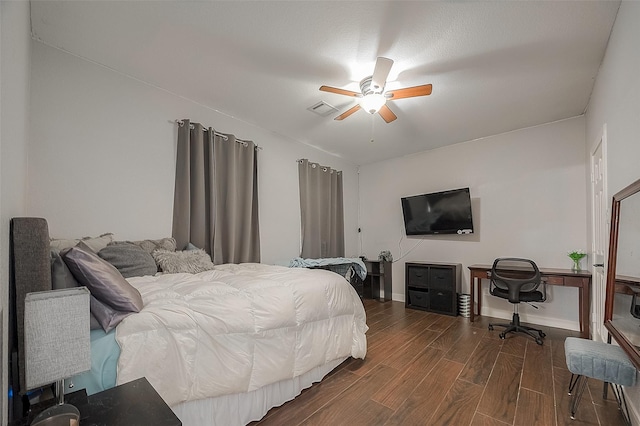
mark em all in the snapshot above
pixel 372 102
pixel 373 97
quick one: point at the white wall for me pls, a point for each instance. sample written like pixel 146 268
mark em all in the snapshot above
pixel 102 158
pixel 615 101
pixel 15 52
pixel 528 194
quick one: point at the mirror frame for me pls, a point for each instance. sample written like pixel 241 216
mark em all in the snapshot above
pixel 625 344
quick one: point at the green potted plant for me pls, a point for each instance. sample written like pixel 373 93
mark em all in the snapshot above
pixel 576 256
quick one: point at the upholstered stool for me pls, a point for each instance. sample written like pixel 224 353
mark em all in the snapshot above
pixel 600 361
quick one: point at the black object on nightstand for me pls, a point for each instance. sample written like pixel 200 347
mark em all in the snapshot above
pixel 133 404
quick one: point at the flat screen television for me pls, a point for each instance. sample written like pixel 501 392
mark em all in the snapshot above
pixel 446 212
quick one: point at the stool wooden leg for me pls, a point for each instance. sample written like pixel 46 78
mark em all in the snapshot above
pixel 579 384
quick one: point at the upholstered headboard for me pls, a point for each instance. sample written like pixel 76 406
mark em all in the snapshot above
pixel 29 271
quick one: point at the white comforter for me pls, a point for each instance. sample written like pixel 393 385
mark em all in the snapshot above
pixel 237 328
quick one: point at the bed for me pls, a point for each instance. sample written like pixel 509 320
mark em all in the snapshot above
pixel 221 346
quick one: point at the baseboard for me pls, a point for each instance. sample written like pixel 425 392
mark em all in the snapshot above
pixel 532 319
pixel 398 297
pixel 528 318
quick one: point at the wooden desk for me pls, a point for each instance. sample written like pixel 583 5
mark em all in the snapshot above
pixel 552 276
pixel 624 284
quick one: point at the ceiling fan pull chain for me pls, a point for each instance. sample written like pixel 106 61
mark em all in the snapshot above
pixel 373 128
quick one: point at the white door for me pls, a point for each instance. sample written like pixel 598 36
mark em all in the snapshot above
pixel 600 236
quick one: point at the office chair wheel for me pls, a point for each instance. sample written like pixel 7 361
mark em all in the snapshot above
pixel 539 341
pixel 503 336
pixel 490 327
pixel 542 334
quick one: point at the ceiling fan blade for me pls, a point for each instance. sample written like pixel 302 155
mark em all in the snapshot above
pixel 386 114
pixel 380 74
pixel 348 112
pixel 409 92
pixel 340 91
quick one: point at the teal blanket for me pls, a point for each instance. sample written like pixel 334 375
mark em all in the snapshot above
pixel 104 363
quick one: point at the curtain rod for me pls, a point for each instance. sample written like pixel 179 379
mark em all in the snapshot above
pixel 222 135
pixel 314 165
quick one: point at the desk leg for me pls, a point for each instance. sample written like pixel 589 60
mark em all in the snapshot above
pixel 584 308
pixel 475 285
pixel 479 297
pixel 472 298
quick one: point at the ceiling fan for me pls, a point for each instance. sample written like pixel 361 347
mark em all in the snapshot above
pixel 373 97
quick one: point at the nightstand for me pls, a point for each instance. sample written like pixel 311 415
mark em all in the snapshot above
pixel 378 278
pixel 133 404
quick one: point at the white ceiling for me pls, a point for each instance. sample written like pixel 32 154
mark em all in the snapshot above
pixel 495 66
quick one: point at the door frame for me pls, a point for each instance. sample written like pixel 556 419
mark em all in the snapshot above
pixel 597 324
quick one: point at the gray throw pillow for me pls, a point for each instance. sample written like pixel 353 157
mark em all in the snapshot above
pixel 129 259
pixel 94 324
pixel 61 277
pixel 190 246
pixel 189 261
pixel 102 279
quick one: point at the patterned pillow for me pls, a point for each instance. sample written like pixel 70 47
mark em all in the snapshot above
pixel 95 243
pixel 150 245
pixel 189 261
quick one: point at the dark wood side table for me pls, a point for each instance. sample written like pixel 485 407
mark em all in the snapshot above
pixel 132 404
pixel 378 277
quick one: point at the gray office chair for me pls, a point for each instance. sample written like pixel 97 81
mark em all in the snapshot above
pixel 517 280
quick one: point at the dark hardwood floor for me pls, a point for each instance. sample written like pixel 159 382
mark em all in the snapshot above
pixel 428 369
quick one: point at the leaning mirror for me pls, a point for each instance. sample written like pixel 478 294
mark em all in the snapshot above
pixel 622 306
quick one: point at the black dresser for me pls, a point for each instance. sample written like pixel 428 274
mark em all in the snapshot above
pixel 433 287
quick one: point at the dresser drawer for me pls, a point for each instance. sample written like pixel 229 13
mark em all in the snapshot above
pixel 554 280
pixel 419 298
pixel 441 278
pixel 576 282
pixel 418 277
pixel 443 301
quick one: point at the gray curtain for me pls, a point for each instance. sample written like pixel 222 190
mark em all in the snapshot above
pixel 321 208
pixel 215 203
